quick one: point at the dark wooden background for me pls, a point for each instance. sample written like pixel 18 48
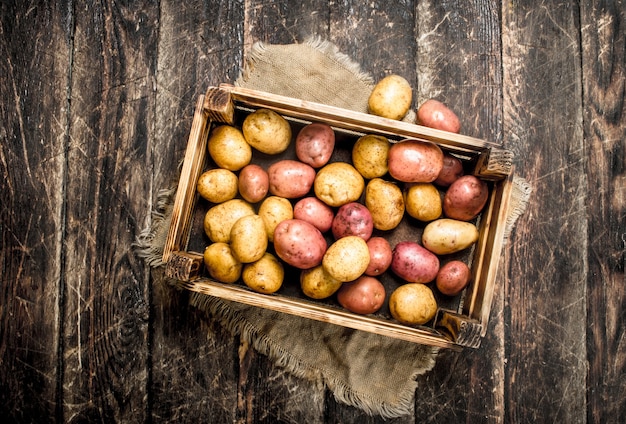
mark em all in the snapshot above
pixel 96 101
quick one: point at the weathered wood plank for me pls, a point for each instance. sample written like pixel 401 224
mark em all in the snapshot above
pixel 546 291
pixel 106 299
pixel 34 67
pixel 194 360
pixel 604 86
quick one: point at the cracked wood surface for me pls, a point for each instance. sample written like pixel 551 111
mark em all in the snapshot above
pixel 96 105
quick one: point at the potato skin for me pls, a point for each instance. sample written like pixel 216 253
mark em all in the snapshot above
pixel 316 283
pixel 413 304
pixel 452 170
pixel 452 278
pixel 365 295
pixel 248 239
pixel 391 97
pixel 290 178
pixel 413 263
pixel 266 275
pixel 369 156
pixel 314 211
pixel 465 198
pixel 274 210
pixel 380 256
pixel 445 236
pixel 434 114
pixel 221 264
pixel 267 131
pixel 219 219
pixel 228 148
pixel 299 243
pixel 315 143
pixel 353 219
pixel 347 258
pixel 385 202
pixel 423 201
pixel 217 185
pixel 338 183
pixel 253 183
pixel 414 161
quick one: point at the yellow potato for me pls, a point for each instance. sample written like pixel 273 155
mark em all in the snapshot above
pixel 347 258
pixel 316 283
pixel 265 275
pixel 385 202
pixel 219 220
pixel 274 210
pixel 445 236
pixel 248 239
pixel 369 156
pixel 267 131
pixel 423 201
pixel 221 264
pixel 413 304
pixel 391 97
pixel 218 185
pixel 338 183
pixel 228 148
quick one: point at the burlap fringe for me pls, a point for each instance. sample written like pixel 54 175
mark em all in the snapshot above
pixel 520 196
pixel 149 243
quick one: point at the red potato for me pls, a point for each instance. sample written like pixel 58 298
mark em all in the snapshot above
pixel 353 219
pixel 452 170
pixel 414 263
pixel 434 114
pixel 365 295
pixel 414 161
pixel 452 278
pixel 254 183
pixel 380 256
pixel 299 243
pixel 315 144
pixel 465 198
pixel 315 212
pixel 290 178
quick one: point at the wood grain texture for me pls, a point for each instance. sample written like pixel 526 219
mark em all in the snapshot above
pixel 604 85
pixel 547 273
pixel 35 53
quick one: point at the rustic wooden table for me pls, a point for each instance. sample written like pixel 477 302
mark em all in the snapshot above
pixel 96 104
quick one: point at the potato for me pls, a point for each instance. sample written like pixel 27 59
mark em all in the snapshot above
pixel 219 219
pixel 434 114
pixel 452 170
pixel 299 243
pixel 228 148
pixel 453 277
pixel 248 239
pixel 413 304
pixel 314 211
pixel 290 179
pixel 274 210
pixel 265 275
pixel 445 236
pixel 385 202
pixel 365 295
pixel 465 198
pixel 423 201
pixel 267 131
pixel 391 97
pixel 380 256
pixel 414 161
pixel 315 144
pixel 338 183
pixel 316 283
pixel 254 183
pixel 353 219
pixel 414 263
pixel 369 156
pixel 221 264
pixel 217 185
pixel 347 258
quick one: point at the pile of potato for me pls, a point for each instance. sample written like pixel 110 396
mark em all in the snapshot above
pixel 328 219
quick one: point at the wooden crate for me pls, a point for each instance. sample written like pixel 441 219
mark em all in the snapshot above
pixel 459 322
